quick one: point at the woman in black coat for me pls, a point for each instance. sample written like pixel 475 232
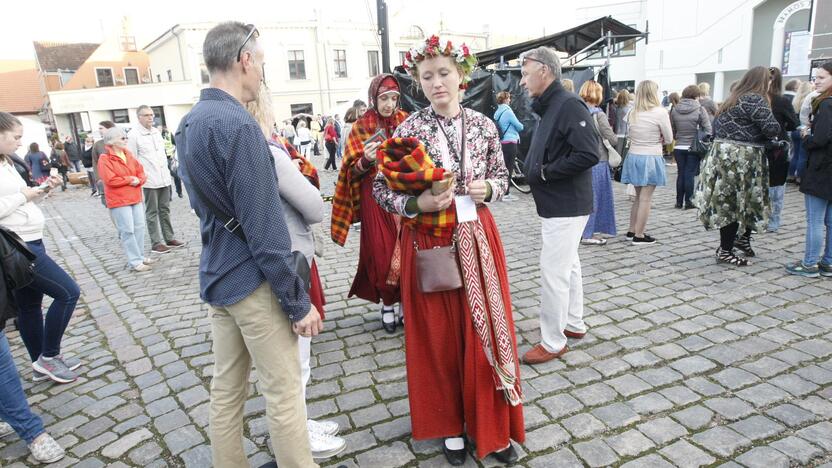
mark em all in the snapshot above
pixel 778 156
pixel 816 184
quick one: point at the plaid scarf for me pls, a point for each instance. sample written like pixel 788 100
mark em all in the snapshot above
pixel 306 167
pixel 347 200
pixel 407 167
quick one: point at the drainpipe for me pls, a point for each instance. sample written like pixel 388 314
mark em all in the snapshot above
pixel 318 62
pixel 179 46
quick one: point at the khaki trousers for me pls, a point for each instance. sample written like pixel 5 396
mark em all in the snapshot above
pixel 257 329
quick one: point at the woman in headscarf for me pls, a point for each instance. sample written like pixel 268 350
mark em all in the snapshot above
pixel 463 372
pixel 353 201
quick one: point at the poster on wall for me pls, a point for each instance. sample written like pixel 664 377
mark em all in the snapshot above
pixel 796 53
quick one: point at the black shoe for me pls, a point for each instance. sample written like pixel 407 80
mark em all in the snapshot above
pixel 743 243
pixel 643 240
pixel 391 326
pixel 678 206
pixel 455 457
pixel 506 456
pixel 690 207
pixel 630 235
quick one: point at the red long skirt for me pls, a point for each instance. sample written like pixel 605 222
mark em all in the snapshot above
pixel 450 383
pixel 316 289
pixel 378 239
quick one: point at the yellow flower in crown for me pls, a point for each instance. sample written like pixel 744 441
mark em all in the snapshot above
pixel 435 47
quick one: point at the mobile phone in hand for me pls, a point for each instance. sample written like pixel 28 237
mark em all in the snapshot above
pixel 377 137
pixel 44 186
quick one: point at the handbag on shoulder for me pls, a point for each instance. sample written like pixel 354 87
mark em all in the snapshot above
pixel 17 260
pixel 438 268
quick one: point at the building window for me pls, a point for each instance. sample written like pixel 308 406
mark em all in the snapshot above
pixel 297 66
pixel 170 75
pixel 340 63
pixel 372 60
pixel 402 55
pixel 301 109
pixel 121 116
pixel 131 76
pixel 158 116
pixel 104 77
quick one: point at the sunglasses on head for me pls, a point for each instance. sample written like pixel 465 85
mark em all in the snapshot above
pixel 251 33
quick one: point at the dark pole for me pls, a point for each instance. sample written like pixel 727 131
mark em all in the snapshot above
pixel 384 32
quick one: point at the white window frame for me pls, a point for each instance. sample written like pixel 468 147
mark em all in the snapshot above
pixel 336 60
pixel 378 62
pixel 112 74
pixel 138 75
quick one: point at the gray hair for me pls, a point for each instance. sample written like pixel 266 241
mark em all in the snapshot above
pixel 222 43
pixel 547 56
pixel 113 134
pixel 141 108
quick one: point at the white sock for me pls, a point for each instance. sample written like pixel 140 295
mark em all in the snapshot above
pixel 455 443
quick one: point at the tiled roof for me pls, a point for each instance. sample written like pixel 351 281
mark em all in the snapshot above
pixel 20 92
pixel 58 55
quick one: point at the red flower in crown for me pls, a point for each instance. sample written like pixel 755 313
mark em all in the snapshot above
pixel 433 41
pixel 465 51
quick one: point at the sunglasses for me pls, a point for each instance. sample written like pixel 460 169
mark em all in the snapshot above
pixel 523 60
pixel 252 31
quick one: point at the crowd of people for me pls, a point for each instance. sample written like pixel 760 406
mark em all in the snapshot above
pixel 419 186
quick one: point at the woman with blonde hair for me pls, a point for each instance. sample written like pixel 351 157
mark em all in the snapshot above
pixel 302 208
pixel 799 155
pixel 568 85
pixel 732 189
pixel 623 106
pixel 602 219
pixel 463 372
pixel 649 132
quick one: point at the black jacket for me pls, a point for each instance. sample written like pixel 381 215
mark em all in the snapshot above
pixel 23 169
pixel 778 158
pixel 817 178
pixel 73 151
pixel 561 155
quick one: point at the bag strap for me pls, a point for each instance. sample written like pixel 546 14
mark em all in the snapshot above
pixel 228 222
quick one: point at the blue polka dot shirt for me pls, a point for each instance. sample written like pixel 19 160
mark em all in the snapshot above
pixel 224 151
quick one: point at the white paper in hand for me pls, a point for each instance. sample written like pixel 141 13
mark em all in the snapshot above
pixel 466 209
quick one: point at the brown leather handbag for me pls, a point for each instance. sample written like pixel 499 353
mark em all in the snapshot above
pixel 438 268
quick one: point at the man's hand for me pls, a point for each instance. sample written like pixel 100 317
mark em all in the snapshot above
pixel 429 203
pixel 31 193
pixel 370 151
pixel 478 190
pixel 311 325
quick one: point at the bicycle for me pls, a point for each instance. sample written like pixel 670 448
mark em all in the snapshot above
pixel 518 179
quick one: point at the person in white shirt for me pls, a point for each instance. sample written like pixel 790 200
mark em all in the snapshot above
pixel 148 146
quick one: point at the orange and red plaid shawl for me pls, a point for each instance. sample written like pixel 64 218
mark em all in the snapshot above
pixel 306 167
pixel 407 167
pixel 346 203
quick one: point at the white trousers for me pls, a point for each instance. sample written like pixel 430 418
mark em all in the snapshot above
pixel 562 292
pixel 305 352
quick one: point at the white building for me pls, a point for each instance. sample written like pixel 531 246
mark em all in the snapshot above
pixel 714 41
pixel 312 67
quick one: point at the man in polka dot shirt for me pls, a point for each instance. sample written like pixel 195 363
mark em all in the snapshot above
pixel 258 304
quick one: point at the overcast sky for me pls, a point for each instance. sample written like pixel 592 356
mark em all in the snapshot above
pixel 83 20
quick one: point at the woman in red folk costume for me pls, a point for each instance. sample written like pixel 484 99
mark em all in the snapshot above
pixel 353 200
pixel 463 373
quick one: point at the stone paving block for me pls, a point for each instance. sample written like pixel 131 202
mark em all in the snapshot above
pixel 393 455
pixel 680 395
pixel 729 408
pixel 650 403
pixel 370 415
pixel 791 415
pixel 649 461
pixel 819 434
pixel 721 441
pixel 595 394
pixel 182 439
pixel 93 445
pixel 395 429
pixel 763 394
pixel 171 421
pixel 546 437
pixel 199 457
pixel 766 367
pixel 797 449
pixel 126 442
pixel 662 430
pixel 356 399
pixel 560 405
pixel 595 453
pixel 735 378
pixel 704 387
pixel 549 383
pixel 563 458
pixel 757 427
pixel 763 457
pixel 692 365
pixel 628 385
pixel 793 384
pixel 616 415
pixel 610 367
pixel 630 443
pixel 583 425
pixel 660 376
pixel 694 418
pixel 817 405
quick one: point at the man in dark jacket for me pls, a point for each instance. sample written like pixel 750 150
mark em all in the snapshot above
pixel 558 168
pixel 73 151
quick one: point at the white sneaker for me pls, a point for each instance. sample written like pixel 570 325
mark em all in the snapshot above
pixel 5 429
pixel 150 260
pixel 141 267
pixel 325 446
pixel 45 450
pixel 322 427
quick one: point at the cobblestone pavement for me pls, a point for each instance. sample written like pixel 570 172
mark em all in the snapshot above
pixel 686 362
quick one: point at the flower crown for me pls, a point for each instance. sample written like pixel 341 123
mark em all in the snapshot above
pixel 434 47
